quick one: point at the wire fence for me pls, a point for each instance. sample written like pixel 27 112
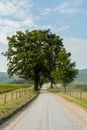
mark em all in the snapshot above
pixel 80 95
pixel 10 96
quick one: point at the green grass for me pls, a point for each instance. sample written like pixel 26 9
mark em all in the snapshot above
pixel 12 95
pixel 55 89
pixel 11 87
pixel 7 110
pixel 74 99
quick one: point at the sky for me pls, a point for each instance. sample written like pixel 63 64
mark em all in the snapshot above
pixel 66 18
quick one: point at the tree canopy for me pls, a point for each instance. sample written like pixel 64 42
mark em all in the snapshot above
pixel 33 53
pixel 65 69
pixel 39 55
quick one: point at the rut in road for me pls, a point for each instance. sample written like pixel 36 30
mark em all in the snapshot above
pixel 46 112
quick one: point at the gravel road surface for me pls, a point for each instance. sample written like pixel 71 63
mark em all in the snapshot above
pixel 48 112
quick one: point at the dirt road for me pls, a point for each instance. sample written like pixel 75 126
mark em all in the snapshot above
pixel 48 112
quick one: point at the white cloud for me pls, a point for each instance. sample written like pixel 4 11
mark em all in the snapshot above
pixel 63 28
pixel 7 8
pixel 17 7
pixel 3 60
pixel 78 49
pixel 45 27
pixel 78 2
pixel 17 16
pixel 49 10
pixel 3 39
pixel 64 8
pixel 68 8
pixel 46 11
pixel 3 64
pixel 27 23
pixel 9 27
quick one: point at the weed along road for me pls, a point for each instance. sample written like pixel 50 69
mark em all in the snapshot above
pixel 48 112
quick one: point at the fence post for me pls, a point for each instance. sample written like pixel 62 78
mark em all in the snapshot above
pixel 24 92
pixel 12 96
pixel 70 92
pixel 20 93
pixel 80 95
pixel 76 94
pixel 5 99
pixel 16 94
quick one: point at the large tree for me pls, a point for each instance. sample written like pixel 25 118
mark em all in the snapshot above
pixel 65 69
pixel 32 54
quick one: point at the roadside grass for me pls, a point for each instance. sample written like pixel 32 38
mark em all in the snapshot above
pixel 72 96
pixel 55 89
pixel 12 95
pixel 10 108
pixel 81 102
pixel 11 87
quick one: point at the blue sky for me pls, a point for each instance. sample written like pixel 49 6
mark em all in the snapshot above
pixel 67 18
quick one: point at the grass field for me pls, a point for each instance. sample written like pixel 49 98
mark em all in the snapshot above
pixel 11 87
pixel 77 87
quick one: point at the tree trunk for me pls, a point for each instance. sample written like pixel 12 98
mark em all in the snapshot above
pixel 40 85
pixel 64 88
pixel 36 83
pixel 51 85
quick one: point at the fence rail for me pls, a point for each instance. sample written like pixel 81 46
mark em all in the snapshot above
pixel 10 96
pixel 80 95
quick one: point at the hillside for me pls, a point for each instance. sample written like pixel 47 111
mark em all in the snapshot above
pixel 4 78
pixel 81 77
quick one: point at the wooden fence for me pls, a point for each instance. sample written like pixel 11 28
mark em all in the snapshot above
pixel 80 95
pixel 5 98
